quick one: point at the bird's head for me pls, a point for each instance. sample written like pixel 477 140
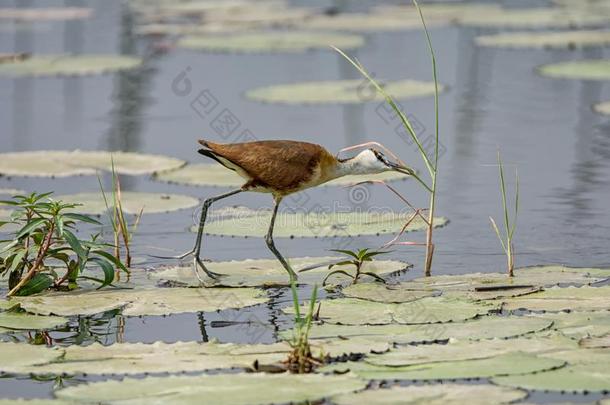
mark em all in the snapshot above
pixel 372 161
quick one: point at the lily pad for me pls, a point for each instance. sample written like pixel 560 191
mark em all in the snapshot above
pixel 562 299
pixel 488 327
pixel 313 224
pixel 205 174
pixel 504 364
pixel 131 201
pixel 269 272
pixel 45 14
pixel 23 321
pixel 429 310
pixel 339 91
pixel 595 342
pixel 468 350
pixel 602 108
pixel 159 301
pixel 438 394
pixel 220 389
pixel 386 293
pixel 579 324
pixel 578 378
pixel 65 65
pixel 371 22
pixel 544 17
pixel 11 191
pixel 71 163
pixel 552 39
pixel 15 355
pixel 278 41
pixel 591 69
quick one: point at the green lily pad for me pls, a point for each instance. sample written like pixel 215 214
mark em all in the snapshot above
pixel 16 355
pixel 602 342
pixel 312 224
pixel 278 41
pixel 269 272
pixel 501 365
pixel 11 191
pixel 487 327
pixel 602 108
pixel 351 311
pixel 219 389
pixel 339 91
pixel 158 301
pixel 578 378
pixel 23 321
pixel 544 17
pixel 552 39
pixel 34 401
pixel 582 356
pixel 562 299
pixel 131 201
pixel 205 174
pixel 371 22
pixel 591 69
pixel 437 394
pixel 468 350
pixel 64 65
pixel 579 324
pixel 73 163
pixel 45 14
pixel 394 293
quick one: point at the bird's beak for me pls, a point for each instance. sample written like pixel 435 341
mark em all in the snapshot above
pixel 401 169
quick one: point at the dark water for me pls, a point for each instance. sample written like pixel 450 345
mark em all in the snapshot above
pixel 495 100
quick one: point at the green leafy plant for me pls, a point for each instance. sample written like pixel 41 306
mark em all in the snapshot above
pixel 431 163
pixel 509 229
pixel 357 258
pixel 301 359
pixel 45 243
pixel 120 228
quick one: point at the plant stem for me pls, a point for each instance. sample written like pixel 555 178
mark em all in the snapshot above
pixel 41 254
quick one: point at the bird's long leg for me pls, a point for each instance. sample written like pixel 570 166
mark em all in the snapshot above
pixel 271 243
pixel 196 250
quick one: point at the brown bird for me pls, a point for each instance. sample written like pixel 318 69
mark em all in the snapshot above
pixel 282 168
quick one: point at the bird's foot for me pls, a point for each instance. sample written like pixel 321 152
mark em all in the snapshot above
pixel 197 264
pixel 177 257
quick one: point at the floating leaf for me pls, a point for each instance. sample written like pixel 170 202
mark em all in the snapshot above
pixel 551 39
pixel 132 202
pixel 487 327
pixel 45 14
pixel 11 191
pixel 504 364
pixel 16 355
pixel 468 350
pixel 219 389
pixel 595 342
pixel 351 311
pixel 18 320
pixel 579 378
pixel 579 324
pixel 562 299
pixel 339 91
pixel 71 163
pixel 602 108
pixel 544 17
pixel 158 301
pixel 64 65
pixel 205 174
pixel 372 22
pixel 394 293
pixel 591 69
pixel 313 224
pixel 278 41
pixel 437 394
pixel 270 272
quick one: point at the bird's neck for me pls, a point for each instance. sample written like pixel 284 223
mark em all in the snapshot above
pixel 349 166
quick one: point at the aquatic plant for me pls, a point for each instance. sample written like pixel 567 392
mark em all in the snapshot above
pixel 46 237
pixel 300 360
pixel 431 163
pixel 507 240
pixel 357 258
pixel 120 228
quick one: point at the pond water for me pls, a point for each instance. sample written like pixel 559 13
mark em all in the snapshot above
pixel 495 100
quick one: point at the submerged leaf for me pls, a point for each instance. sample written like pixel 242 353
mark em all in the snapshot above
pixel 219 389
pixel 72 163
pixel 206 174
pixel 132 202
pixel 64 65
pixel 592 69
pixel 340 91
pixel 269 272
pixel 437 394
pixel 273 41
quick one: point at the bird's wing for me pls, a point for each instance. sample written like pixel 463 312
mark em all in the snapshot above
pixel 279 165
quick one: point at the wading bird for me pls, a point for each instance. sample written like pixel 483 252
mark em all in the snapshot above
pixel 282 168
